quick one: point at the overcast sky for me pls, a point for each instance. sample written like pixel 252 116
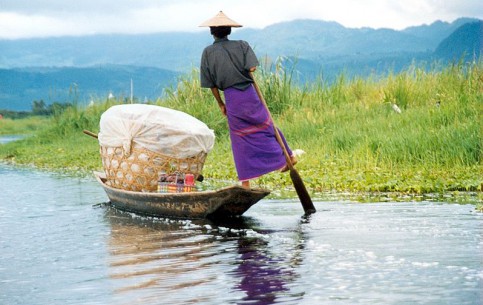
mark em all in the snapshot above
pixel 43 18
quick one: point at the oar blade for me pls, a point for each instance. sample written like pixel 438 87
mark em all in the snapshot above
pixel 304 196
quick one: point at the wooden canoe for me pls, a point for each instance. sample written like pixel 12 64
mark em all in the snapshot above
pixel 222 203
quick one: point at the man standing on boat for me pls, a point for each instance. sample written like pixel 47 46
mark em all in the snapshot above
pixel 226 65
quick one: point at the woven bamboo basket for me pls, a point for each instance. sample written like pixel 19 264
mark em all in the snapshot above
pixel 141 170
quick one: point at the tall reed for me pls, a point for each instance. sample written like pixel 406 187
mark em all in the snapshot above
pixel 415 131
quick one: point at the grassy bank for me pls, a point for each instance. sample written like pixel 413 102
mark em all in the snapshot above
pixel 409 134
pixel 24 126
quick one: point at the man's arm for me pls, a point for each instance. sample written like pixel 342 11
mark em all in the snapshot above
pixel 216 94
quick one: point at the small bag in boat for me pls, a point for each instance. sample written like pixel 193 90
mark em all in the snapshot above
pixel 139 143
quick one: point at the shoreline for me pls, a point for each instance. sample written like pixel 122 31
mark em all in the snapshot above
pixel 449 197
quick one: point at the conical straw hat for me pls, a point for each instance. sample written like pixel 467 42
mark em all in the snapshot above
pixel 220 20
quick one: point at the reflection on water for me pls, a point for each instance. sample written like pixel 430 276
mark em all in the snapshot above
pixel 264 275
pixel 58 246
pixel 199 262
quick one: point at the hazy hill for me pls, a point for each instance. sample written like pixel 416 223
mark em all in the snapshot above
pixel 434 33
pixel 19 87
pixel 172 51
pixel 306 39
pixel 98 64
pixel 462 42
pixel 311 39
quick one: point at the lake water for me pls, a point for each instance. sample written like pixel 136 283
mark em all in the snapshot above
pixel 59 246
pixel 10 138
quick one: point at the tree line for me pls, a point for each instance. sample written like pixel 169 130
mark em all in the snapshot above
pixel 39 107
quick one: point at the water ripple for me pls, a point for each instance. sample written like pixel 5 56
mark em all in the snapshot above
pixel 59 247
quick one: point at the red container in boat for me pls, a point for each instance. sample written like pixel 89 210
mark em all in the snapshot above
pixel 189 179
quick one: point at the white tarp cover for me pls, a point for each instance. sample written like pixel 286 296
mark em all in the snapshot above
pixel 170 132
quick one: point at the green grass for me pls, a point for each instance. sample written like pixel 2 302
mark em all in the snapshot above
pixel 22 127
pixel 355 142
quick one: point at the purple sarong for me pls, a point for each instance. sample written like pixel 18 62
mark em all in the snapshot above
pixel 254 145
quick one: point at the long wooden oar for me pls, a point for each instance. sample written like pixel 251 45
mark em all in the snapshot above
pixel 90 133
pixel 294 175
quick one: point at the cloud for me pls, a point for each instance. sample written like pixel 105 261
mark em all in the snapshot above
pixel 40 18
pixel 55 7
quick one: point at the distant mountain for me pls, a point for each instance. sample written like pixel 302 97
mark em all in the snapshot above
pixel 98 64
pixel 21 86
pixel 314 40
pixel 434 33
pixel 171 51
pixel 465 43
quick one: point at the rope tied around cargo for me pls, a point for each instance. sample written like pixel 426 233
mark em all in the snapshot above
pixel 126 146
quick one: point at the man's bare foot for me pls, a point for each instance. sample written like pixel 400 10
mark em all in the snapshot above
pixel 246 184
pixel 294 161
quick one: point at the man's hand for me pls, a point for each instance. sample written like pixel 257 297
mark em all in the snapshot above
pixel 216 94
pixel 223 109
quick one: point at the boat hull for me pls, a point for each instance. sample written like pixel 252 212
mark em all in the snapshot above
pixel 226 202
